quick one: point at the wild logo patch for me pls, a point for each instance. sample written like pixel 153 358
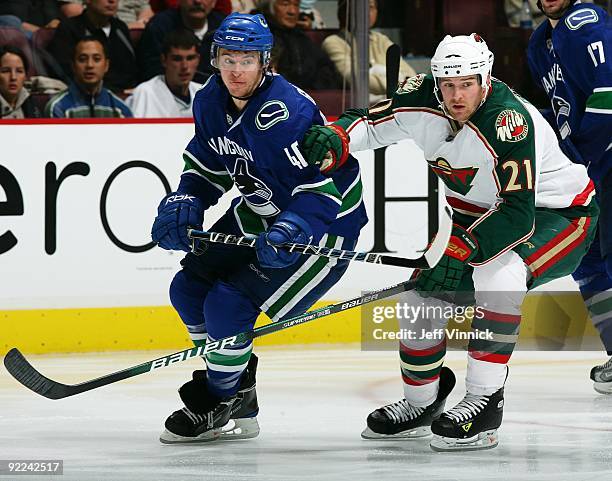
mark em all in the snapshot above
pixel 457 180
pixel 511 126
pixel 270 114
pixel 410 84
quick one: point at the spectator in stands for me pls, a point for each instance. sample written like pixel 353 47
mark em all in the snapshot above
pixel 194 15
pixel 300 61
pixel 15 100
pixel 338 47
pixel 514 8
pixel 310 18
pixel 244 6
pixel 29 15
pixel 171 93
pixel 86 96
pixel 222 6
pixel 135 13
pixel 98 20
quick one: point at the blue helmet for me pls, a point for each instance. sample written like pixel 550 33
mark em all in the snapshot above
pixel 241 31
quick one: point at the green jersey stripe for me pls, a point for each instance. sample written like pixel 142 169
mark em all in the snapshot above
pixel 219 179
pixel 326 188
pixel 288 293
pixel 248 221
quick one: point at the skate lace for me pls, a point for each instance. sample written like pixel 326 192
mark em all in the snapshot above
pixel 402 411
pixel 607 365
pixel 470 406
pixel 198 418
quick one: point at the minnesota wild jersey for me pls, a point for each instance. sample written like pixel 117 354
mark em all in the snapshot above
pixel 497 168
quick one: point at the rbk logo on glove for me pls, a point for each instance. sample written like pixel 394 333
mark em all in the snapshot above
pixel 179 197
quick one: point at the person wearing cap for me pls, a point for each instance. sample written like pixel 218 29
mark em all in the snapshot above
pixel 523 214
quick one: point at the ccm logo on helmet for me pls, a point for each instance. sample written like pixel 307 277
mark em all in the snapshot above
pixel 231 37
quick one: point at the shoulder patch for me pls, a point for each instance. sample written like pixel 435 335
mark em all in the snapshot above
pixel 581 17
pixel 270 114
pixel 511 126
pixel 410 84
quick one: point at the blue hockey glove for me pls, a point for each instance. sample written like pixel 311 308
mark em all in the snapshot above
pixel 176 213
pixel 289 227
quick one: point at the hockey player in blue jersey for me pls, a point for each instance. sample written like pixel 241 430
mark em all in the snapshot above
pixel 248 125
pixel 570 56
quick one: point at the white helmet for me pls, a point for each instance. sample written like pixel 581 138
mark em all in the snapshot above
pixel 461 56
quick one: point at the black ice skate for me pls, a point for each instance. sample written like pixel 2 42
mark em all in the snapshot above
pixel 602 377
pixel 208 418
pixel 401 420
pixel 472 424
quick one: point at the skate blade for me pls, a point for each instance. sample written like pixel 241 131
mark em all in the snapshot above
pixel 168 437
pixel 484 440
pixel 241 428
pixel 603 387
pixel 417 433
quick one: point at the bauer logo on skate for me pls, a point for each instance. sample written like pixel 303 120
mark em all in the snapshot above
pixel 511 126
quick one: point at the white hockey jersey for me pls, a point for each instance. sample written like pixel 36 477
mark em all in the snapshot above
pixel 497 169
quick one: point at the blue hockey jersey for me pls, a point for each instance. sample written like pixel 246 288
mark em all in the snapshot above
pixel 258 151
pixel 573 63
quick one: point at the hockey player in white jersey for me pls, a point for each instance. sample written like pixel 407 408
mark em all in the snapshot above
pixel 524 214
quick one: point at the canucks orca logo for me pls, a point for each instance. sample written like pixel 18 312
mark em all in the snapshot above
pixel 270 114
pixel 458 180
pixel 254 191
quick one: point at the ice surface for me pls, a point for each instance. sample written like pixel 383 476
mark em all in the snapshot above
pixel 313 403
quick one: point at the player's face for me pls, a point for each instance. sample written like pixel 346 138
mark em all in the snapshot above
pixel 12 76
pixel 287 12
pixel 555 8
pixel 90 64
pixel 241 71
pixel 461 95
pixel 180 66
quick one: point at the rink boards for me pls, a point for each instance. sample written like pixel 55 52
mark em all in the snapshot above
pixel 79 272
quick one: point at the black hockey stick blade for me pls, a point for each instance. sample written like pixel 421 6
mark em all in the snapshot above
pixel 393 66
pixel 21 369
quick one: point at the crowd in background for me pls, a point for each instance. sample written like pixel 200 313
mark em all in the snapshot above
pixel 120 58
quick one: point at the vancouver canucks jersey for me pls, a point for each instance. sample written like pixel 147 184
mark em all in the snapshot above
pixel 257 150
pixel 573 63
pixel 502 164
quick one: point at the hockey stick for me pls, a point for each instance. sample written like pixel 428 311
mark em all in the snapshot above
pixel 20 368
pixel 392 68
pixel 426 261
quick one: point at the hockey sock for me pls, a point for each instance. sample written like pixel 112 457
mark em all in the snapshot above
pixel 490 351
pixel 422 355
pixel 228 311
